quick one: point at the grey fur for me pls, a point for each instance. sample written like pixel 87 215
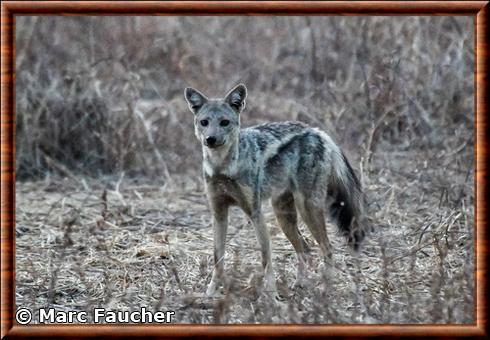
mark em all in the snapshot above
pixel 298 167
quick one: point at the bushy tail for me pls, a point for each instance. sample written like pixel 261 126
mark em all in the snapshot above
pixel 347 209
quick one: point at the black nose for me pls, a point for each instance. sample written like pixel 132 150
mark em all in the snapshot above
pixel 210 140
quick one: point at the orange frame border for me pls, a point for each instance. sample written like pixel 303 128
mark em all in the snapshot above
pixel 10 9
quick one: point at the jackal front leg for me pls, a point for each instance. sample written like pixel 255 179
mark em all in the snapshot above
pixel 220 226
pixel 263 236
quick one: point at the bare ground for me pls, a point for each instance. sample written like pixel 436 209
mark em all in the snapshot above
pixel 126 243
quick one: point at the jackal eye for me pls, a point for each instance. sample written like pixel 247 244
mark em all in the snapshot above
pixel 204 122
pixel 224 122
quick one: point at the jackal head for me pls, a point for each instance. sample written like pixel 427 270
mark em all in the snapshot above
pixel 217 121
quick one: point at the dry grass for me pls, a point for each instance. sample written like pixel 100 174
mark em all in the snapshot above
pixel 110 206
pixel 140 246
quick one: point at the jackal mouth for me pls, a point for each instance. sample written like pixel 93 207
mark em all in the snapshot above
pixel 214 146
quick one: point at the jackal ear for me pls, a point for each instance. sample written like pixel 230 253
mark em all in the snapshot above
pixel 195 99
pixel 236 97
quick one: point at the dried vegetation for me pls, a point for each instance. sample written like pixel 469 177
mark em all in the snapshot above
pixel 110 208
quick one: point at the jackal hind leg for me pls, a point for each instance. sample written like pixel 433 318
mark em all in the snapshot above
pixel 287 219
pixel 313 214
pixel 263 237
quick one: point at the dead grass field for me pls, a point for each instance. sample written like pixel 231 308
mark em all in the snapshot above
pixel 110 207
pixel 130 244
